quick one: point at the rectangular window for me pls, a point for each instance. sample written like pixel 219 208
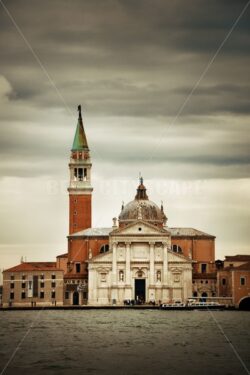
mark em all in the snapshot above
pixel 53 284
pixel 53 294
pixel 12 277
pixel 53 277
pixel 42 277
pixel 66 295
pixel 75 172
pixel 12 295
pixel 223 281
pixel 41 285
pixel 23 285
pixel 41 294
pixel 203 268
pixel 242 281
pixel 23 277
pixel 78 267
pixel 23 295
pixel 12 286
pixel 35 286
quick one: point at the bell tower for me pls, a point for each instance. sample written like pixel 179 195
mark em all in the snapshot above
pixel 80 189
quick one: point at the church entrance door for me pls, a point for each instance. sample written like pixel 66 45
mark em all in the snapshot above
pixel 76 298
pixel 140 291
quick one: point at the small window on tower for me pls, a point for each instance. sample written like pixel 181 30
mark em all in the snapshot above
pixel 75 173
pixel 203 268
pixel 85 174
pixel 78 267
pixel 80 174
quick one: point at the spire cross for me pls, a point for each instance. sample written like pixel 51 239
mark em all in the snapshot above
pixel 140 178
pixel 79 108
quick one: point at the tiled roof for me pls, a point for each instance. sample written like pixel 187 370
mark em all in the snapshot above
pixel 189 232
pixel 237 258
pixel 62 255
pixel 243 267
pixel 93 232
pixel 176 232
pixel 34 266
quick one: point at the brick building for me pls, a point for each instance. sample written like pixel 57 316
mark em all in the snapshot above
pixel 33 284
pixel 233 280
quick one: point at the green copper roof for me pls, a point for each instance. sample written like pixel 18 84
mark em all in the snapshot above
pixel 80 140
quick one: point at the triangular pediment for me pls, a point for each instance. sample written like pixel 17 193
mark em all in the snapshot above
pixel 103 257
pixel 176 257
pixel 140 228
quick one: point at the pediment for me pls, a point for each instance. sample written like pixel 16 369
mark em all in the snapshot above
pixel 140 228
pixel 104 257
pixel 175 257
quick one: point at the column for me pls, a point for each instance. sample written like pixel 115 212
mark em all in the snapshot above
pixel 128 273
pixel 128 287
pixel 151 263
pixel 114 264
pixel 165 286
pixel 165 264
pixel 114 294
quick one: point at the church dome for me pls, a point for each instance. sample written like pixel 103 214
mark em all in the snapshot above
pixel 141 208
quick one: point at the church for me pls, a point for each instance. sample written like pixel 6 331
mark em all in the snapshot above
pixel 138 260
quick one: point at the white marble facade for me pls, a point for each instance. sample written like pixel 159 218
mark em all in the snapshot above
pixel 139 266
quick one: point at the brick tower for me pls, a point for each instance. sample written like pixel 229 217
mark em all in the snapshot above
pixel 80 190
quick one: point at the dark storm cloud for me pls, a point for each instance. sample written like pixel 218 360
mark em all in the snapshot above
pixel 134 59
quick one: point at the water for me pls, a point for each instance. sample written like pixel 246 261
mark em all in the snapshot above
pixel 124 342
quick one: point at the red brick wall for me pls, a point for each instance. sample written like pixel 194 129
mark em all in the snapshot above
pixel 240 291
pixel 202 249
pixel 79 212
pixel 61 263
pixel 79 251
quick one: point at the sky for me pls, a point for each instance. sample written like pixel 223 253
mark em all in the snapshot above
pixel 164 87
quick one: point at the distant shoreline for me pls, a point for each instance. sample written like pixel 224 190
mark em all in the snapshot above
pixel 88 307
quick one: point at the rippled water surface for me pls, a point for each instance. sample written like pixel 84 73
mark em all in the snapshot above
pixel 124 342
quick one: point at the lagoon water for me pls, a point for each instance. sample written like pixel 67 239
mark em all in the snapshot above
pixel 124 342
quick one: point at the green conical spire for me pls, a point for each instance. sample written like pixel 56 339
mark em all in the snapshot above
pixel 80 140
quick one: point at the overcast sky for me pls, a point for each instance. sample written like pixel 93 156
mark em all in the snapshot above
pixel 132 65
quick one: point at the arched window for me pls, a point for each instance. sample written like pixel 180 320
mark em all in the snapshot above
pixel 104 248
pixel 121 276
pixel 158 275
pixel 176 249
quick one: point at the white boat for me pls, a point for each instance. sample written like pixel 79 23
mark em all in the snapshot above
pixel 205 305
pixel 173 306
